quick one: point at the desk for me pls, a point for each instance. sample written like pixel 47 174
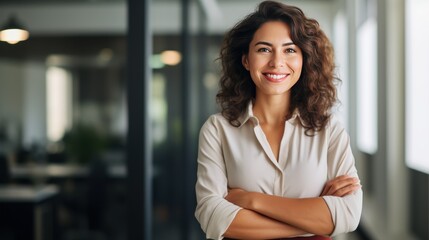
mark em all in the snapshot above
pixel 28 212
pixel 52 171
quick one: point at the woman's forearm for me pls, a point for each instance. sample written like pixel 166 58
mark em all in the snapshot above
pixel 310 214
pixel 248 224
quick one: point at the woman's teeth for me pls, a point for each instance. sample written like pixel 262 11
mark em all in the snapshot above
pixel 276 76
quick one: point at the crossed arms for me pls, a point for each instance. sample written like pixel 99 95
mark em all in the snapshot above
pixel 266 216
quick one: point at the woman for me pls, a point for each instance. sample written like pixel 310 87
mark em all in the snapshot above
pixel 275 163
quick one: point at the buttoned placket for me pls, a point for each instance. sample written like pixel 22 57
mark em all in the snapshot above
pixel 283 153
pixel 278 184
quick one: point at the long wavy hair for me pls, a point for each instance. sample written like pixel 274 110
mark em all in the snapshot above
pixel 313 95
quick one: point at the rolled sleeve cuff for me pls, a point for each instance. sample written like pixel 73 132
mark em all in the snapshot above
pixel 220 220
pixel 345 212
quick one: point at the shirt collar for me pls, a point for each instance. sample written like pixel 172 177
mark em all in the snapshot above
pixel 248 115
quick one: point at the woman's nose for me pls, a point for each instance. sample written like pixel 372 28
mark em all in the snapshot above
pixel 277 60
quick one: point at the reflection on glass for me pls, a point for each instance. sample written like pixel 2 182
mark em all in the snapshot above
pixel 367 87
pixel 159 109
pixel 58 102
pixel 156 62
pixel 417 85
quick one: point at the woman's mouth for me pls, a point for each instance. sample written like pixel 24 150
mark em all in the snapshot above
pixel 275 77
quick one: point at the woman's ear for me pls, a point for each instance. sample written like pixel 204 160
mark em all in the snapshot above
pixel 245 62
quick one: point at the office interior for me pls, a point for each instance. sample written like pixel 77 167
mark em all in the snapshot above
pixel 65 110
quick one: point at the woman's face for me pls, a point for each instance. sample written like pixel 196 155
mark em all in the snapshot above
pixel 274 61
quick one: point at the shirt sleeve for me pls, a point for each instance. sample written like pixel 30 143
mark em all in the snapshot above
pixel 213 212
pixel 345 211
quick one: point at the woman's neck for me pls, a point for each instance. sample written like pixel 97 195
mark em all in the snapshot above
pixel 271 110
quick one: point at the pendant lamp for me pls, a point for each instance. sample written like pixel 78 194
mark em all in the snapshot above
pixel 13 32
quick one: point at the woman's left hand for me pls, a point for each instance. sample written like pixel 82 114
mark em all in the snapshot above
pixel 239 197
pixel 341 186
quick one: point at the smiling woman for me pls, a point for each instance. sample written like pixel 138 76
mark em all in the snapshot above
pixel 273 58
pixel 275 163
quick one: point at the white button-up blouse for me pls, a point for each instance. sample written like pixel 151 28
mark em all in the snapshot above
pixel 241 157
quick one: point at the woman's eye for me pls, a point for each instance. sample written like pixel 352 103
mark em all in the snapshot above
pixel 263 50
pixel 290 50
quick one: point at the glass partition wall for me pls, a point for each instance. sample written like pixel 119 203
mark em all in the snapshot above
pixel 181 102
pixel 63 122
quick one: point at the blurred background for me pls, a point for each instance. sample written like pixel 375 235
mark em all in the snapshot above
pixel 101 106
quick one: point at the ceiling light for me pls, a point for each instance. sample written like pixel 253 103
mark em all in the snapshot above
pixel 171 57
pixel 13 32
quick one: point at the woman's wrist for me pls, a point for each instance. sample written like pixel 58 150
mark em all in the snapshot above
pixel 252 202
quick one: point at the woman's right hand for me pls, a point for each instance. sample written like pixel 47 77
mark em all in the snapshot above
pixel 341 186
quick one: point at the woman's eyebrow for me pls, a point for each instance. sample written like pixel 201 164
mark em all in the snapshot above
pixel 270 44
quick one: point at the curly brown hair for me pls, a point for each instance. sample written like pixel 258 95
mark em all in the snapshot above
pixel 313 95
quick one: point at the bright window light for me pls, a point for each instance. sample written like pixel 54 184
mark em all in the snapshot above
pixel 59 102
pixel 340 44
pixel 417 84
pixel 367 87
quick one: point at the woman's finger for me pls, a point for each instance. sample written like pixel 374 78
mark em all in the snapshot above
pixel 340 183
pixel 346 190
pixel 343 183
